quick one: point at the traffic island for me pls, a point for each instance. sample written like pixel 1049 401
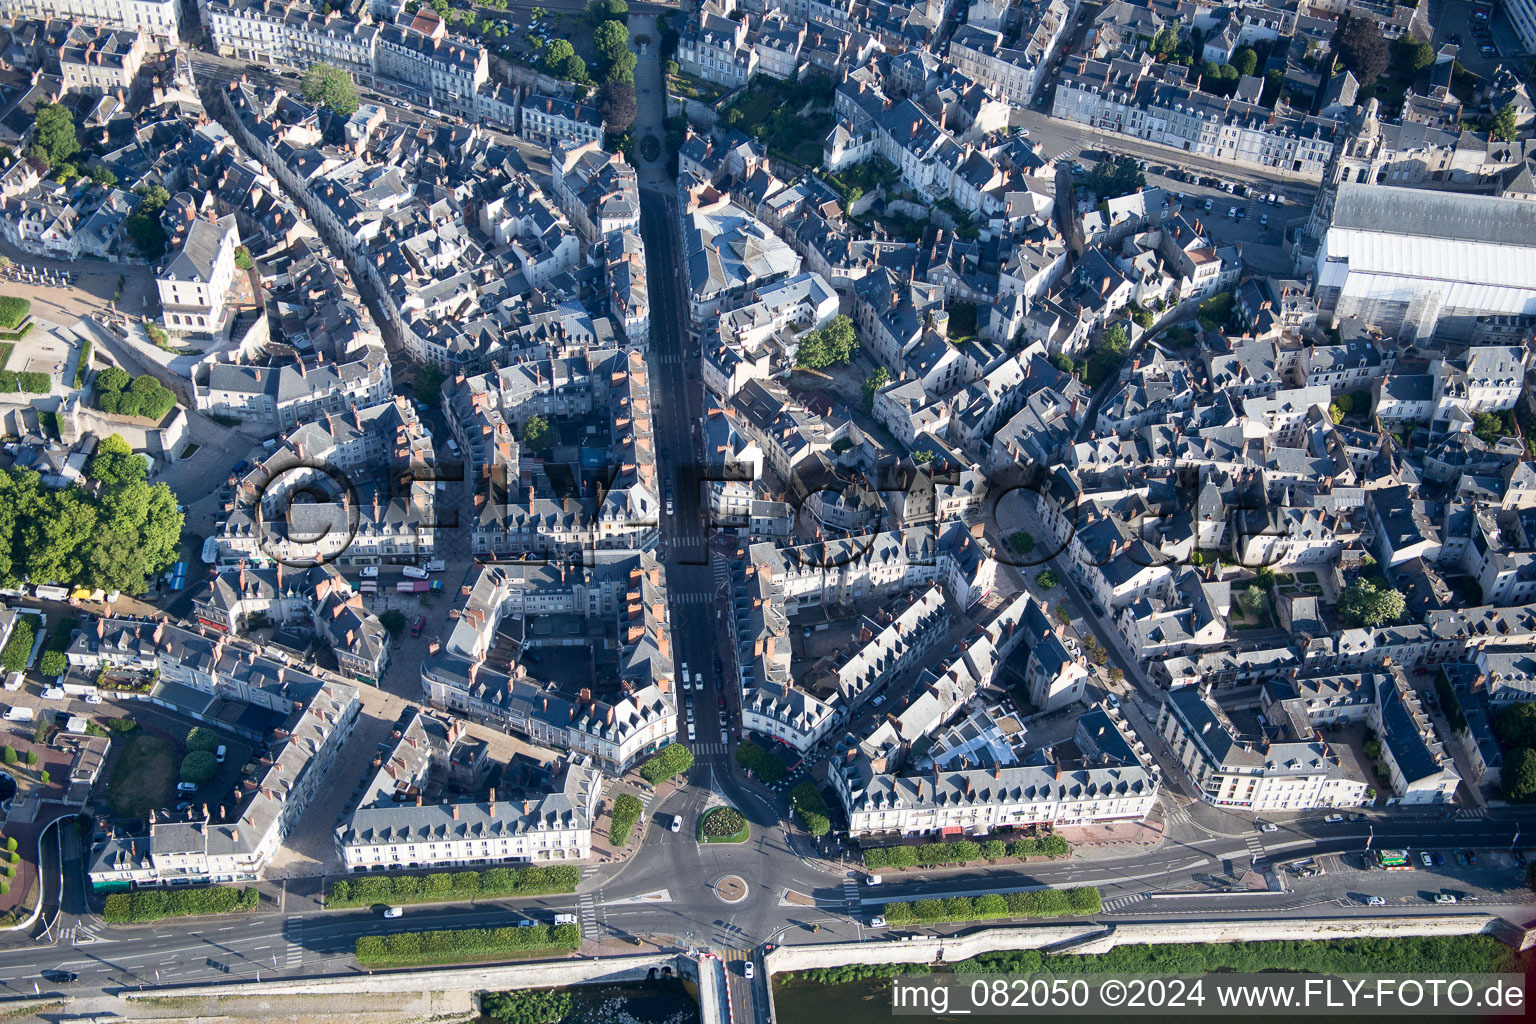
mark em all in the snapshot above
pixel 730 889
pixel 723 825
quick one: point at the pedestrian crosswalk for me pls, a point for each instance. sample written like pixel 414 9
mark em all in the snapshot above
pixel 295 934
pixel 707 748
pixel 696 598
pixel 1121 902
pixel 851 892
pixel 1255 847
pixel 1472 813
pixel 588 912
pixel 722 574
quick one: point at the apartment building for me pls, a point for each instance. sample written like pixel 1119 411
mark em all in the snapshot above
pixel 303 719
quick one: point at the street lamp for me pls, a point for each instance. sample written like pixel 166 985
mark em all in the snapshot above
pixel 1371 838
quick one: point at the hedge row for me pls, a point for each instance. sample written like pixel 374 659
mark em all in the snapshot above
pixel 26 329
pixel 673 760
pixel 1422 954
pixel 626 811
pixel 963 851
pixel 1078 902
pixel 449 886
pixel 154 904
pixel 465 944
pixel 812 809
pixel 28 381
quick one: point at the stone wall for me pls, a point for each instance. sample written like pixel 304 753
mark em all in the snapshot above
pixel 547 974
pixel 1094 938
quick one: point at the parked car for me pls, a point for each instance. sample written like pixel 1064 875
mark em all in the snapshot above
pixel 877 921
pixel 186 787
pixel 1426 860
pixel 1439 859
pixel 418 625
pixel 527 923
pixel 221 753
pixel 370 572
pixel 1472 857
pixel 874 880
pixel 394 912
pixel 1444 897
pixel 59 977
pixel 1269 826
pixel 1334 819
pixel 1376 901
pixel 93 698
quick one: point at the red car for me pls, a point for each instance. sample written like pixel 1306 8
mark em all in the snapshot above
pixel 418 625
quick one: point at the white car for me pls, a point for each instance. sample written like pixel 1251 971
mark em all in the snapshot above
pixel 394 912
pixel 1334 819
pixel 874 880
pixel 1376 901
pixel 877 921
pixel 677 823
pixel 746 969
pixel 370 572
pixel 93 698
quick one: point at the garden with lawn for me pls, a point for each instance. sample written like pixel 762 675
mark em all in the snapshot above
pixel 145 777
pixel 723 825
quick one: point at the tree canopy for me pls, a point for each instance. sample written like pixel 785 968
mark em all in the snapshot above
pixel 828 346
pixel 537 434
pixel 115 540
pixel 607 10
pixel 616 102
pixel 1111 179
pixel 1519 775
pixel 1502 125
pixel 330 86
pixel 1363 50
pixel 53 134
pixel 1369 603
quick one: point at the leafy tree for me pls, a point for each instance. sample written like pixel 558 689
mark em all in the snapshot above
pixel 392 620
pixel 828 346
pixel 1047 579
pixel 55 539
pixel 1412 55
pixel 13 310
pixel 537 433
pixel 1489 426
pixel 1366 603
pixel 8 755
pixel 53 663
pixel 243 258
pixel 1022 542
pixel 1113 178
pixel 31 758
pixel 53 134
pixel 1363 50
pixel 330 86
pixel 199 766
pixel 616 102
pixel 607 10
pixel 1245 60
pixel 561 61
pixel 1063 362
pixel 1503 126
pixel 1253 601
pixel 1516 726
pixel 1274 81
pixel 873 383
pixel 611 40
pixel 428 385
pixel 144 225
pixel 202 738
pixel 114 462
pixel 1519 775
